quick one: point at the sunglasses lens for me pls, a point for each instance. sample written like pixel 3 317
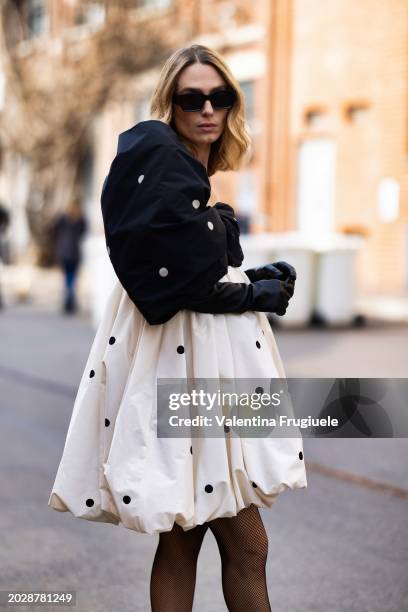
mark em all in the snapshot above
pixel 191 102
pixel 222 99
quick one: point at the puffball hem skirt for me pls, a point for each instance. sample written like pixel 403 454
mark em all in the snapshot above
pixel 115 469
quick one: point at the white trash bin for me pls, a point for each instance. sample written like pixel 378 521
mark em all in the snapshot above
pixel 101 274
pixel 300 306
pixel 265 248
pixel 336 280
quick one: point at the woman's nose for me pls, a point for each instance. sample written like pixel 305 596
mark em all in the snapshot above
pixel 207 107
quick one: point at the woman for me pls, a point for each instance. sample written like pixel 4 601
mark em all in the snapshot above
pixel 181 309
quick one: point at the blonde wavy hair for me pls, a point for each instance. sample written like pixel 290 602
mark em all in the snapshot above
pixel 233 148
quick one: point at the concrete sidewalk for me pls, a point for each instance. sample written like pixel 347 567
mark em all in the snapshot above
pixel 338 545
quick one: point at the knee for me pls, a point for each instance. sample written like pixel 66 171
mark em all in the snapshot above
pixel 258 550
pixel 251 556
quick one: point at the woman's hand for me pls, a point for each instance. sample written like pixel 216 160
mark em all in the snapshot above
pixel 280 270
pixel 270 295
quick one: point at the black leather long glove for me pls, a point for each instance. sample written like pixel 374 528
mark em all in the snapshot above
pixel 234 250
pixel 226 297
pixel 279 269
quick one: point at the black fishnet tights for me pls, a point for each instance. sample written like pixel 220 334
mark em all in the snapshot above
pixel 243 545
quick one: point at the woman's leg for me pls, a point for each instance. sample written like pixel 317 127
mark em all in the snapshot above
pixel 243 545
pixel 69 279
pixel 70 285
pixel 173 576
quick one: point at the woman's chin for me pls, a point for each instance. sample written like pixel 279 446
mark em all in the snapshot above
pixel 206 138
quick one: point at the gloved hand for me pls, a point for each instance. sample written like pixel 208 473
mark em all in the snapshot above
pixel 279 269
pixel 270 295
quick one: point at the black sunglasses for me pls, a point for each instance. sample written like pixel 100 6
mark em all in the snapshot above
pixel 194 101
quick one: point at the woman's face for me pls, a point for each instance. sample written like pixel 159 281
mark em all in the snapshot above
pixel 206 79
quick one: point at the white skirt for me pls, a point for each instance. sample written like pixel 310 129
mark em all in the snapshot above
pixel 115 469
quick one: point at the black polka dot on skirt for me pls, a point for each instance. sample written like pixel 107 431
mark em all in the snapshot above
pixel 208 488
pixel 254 485
pixel 112 340
pixel 180 349
pixel 91 373
pixel 263 332
pixel 191 449
pixel 258 344
pixel 259 390
pixel 89 502
pixel 300 455
pixel 107 422
pixel 126 499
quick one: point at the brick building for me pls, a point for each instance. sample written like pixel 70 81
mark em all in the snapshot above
pixel 349 124
pixel 327 107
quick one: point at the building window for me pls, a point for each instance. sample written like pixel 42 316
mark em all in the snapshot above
pixel 246 200
pixel 315 116
pixel 154 4
pixel 37 19
pixel 355 112
pixel 388 200
pixel 247 88
pixel 92 14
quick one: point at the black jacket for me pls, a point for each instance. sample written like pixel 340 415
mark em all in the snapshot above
pixel 164 242
pixel 167 247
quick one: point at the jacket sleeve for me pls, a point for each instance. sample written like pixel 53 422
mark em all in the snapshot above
pixel 270 295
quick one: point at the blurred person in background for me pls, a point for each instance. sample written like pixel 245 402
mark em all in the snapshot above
pixel 4 222
pixel 69 228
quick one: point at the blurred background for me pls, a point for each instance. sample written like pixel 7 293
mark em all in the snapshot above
pixel 326 101
pixel 326 189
